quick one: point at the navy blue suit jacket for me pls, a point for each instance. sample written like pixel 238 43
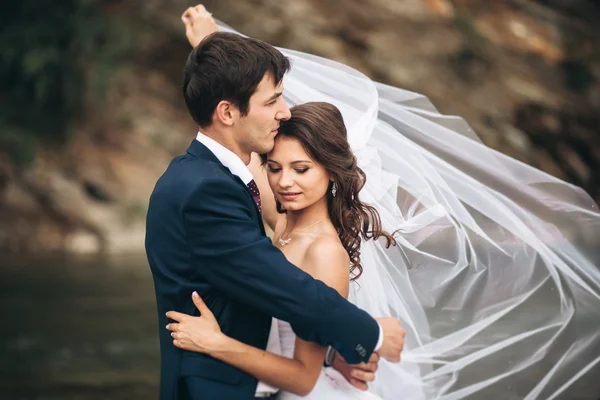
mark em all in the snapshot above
pixel 204 233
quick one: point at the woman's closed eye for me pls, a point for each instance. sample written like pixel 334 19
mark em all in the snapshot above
pixel 274 169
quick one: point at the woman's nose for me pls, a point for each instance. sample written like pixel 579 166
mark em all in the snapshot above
pixel 286 180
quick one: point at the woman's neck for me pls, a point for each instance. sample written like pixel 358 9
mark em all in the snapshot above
pixel 302 218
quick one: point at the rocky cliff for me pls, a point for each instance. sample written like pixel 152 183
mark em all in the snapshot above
pixel 523 73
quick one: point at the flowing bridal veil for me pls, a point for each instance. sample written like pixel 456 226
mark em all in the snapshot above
pixel 496 277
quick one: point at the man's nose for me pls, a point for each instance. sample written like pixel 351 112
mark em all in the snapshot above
pixel 284 114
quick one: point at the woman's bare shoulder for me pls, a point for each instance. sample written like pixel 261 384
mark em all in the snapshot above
pixel 328 248
pixel 330 262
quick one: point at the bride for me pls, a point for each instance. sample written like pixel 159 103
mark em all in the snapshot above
pixel 495 273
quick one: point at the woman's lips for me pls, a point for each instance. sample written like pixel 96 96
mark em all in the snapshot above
pixel 288 196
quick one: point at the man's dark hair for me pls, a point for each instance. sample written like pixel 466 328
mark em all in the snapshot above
pixel 226 66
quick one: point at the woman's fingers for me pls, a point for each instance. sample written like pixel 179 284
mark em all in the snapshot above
pixel 201 306
pixel 181 336
pixel 183 342
pixel 191 13
pixel 363 375
pixel 359 384
pixel 176 316
pixel 202 10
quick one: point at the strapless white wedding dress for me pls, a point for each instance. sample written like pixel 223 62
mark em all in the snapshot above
pixel 331 385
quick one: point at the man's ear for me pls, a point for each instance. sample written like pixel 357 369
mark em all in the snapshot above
pixel 226 113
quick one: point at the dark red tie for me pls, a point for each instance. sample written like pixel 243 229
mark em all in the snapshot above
pixel 255 194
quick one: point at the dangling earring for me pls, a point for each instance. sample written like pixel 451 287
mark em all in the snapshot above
pixel 333 189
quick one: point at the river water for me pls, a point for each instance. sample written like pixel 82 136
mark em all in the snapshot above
pixel 85 328
pixel 78 329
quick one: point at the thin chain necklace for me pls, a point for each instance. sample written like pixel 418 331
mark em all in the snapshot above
pixel 283 242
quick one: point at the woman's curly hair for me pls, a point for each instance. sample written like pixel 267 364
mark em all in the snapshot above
pixel 320 128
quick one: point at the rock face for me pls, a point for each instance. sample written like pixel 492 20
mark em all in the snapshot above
pixel 92 195
pixel 521 73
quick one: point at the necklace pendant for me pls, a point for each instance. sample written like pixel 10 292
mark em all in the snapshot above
pixel 283 242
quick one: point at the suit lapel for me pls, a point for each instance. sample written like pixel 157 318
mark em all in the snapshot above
pixel 201 152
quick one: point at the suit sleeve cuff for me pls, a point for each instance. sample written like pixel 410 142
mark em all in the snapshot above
pixel 380 340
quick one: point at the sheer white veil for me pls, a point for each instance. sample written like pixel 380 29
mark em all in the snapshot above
pixel 496 275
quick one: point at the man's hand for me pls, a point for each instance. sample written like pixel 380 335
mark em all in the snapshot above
pixel 393 339
pixel 198 24
pixel 359 375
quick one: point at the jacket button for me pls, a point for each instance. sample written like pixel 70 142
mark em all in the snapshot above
pixel 360 350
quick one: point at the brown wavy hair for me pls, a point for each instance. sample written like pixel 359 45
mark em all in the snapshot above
pixel 320 129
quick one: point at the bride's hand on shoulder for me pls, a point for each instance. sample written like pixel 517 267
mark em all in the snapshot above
pixel 199 23
pixel 201 334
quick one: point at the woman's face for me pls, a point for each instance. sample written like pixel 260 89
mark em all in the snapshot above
pixel 296 180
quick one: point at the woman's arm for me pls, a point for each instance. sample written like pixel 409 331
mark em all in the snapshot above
pixel 198 24
pixel 269 212
pixel 297 375
pixel 203 334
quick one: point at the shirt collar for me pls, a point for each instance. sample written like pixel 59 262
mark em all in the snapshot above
pixel 227 157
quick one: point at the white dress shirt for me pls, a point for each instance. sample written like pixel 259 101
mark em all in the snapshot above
pixel 227 157
pixel 237 167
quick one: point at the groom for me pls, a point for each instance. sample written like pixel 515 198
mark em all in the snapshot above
pixel 205 233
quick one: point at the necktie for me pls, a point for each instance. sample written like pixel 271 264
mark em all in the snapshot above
pixel 255 193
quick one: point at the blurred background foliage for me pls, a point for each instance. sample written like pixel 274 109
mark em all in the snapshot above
pixel 55 57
